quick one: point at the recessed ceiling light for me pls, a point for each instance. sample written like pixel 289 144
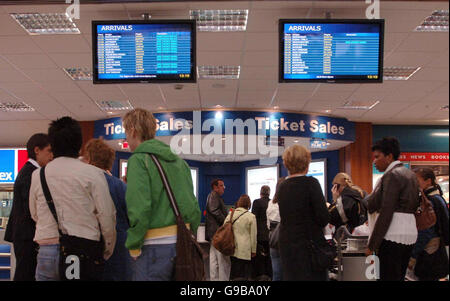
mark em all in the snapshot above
pixel 276 107
pixel 438 21
pixel 359 105
pixel 15 107
pixel 218 106
pixel 79 73
pixel 296 141
pixel 399 73
pixel 327 111
pixel 110 106
pixel 55 23
pixel 440 134
pixel 220 20
pixel 218 72
pixel 219 115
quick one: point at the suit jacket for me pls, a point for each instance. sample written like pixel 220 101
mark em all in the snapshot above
pixel 215 214
pixel 20 224
pixel 259 209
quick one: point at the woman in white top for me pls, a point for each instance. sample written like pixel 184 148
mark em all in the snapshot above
pixel 273 219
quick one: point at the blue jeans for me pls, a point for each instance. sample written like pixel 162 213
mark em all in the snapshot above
pixel 48 263
pixel 276 265
pixel 156 263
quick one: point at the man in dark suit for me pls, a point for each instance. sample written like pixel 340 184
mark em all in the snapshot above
pixel 262 264
pixel 21 227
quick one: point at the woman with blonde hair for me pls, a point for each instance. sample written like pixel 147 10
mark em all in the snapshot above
pixel 303 215
pixel 152 235
pixel 348 207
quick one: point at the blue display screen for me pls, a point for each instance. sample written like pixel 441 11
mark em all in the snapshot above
pixel 331 51
pixel 144 52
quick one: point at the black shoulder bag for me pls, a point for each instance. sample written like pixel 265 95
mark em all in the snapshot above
pixel 88 252
pixel 189 261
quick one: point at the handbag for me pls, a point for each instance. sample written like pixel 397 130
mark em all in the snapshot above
pixel 189 261
pixel 223 239
pixel 274 235
pixel 322 253
pixel 425 216
pixel 88 252
pixel 432 266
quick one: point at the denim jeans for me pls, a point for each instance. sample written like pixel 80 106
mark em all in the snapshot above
pixel 156 263
pixel 48 263
pixel 276 265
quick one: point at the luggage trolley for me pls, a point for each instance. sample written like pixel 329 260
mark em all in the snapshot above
pixel 351 257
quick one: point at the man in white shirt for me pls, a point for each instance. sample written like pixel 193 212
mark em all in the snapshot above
pixel 81 197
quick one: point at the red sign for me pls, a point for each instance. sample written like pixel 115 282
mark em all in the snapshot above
pixel 22 158
pixel 439 157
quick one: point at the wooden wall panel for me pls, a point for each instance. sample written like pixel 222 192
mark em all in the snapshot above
pixel 356 158
pixel 87 129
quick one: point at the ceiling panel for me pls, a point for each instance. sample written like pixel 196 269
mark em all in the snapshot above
pixel 80 104
pixel 385 110
pixel 267 72
pixel 260 58
pixel 257 84
pixel 254 99
pixel 404 20
pixel 47 75
pixel 431 74
pixel 74 60
pixel 27 87
pixel 211 84
pixel 217 58
pixel 30 61
pixel 63 86
pixel 425 42
pixel 418 110
pixel 62 43
pixel 18 45
pixel 220 41
pixel 261 42
pixel 12 76
pixel 225 98
pixel 409 59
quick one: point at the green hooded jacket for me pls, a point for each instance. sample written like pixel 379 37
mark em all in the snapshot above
pixel 147 202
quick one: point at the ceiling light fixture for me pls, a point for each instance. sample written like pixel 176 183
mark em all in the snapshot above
pixel 55 23
pixel 438 21
pixel 440 134
pixel 358 105
pixel 218 72
pixel 15 107
pixel 220 20
pixel 399 73
pixel 219 115
pixel 79 73
pixel 110 106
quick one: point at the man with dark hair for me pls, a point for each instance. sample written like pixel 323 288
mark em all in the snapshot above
pixel 262 265
pixel 21 227
pixel 83 204
pixel 391 207
pixel 219 264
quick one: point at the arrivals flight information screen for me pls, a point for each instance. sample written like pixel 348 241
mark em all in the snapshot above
pixel 144 52
pixel 331 50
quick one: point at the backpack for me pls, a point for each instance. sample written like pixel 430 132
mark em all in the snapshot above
pixel 425 216
pixel 223 239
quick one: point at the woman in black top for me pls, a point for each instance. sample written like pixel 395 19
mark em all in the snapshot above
pixel 303 214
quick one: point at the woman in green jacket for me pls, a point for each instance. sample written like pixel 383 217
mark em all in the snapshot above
pixel 152 234
pixel 244 230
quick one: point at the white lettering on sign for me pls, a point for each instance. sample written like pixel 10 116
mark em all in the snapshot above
pixel 5 176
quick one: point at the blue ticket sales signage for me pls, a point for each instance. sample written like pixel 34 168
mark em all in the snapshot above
pixel 238 122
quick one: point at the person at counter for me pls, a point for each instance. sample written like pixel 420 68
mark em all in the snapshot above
pixel 303 215
pixel 219 264
pixel 21 227
pixel 391 208
pixel 262 266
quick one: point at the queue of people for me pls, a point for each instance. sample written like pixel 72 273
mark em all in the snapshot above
pixel 127 231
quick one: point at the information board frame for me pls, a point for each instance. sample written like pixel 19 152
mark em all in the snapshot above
pixel 281 23
pixel 193 70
